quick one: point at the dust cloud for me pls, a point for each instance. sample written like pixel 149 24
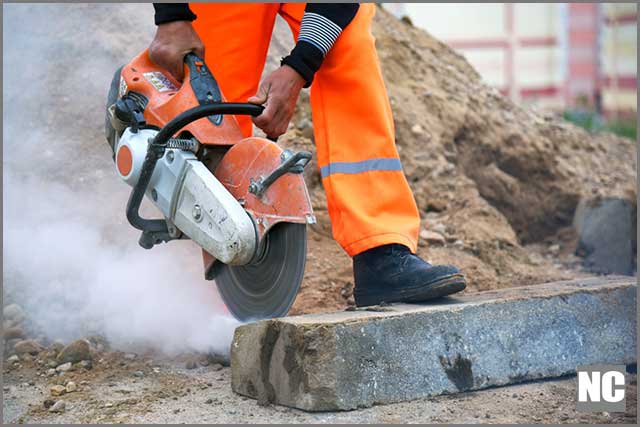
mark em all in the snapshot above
pixel 70 258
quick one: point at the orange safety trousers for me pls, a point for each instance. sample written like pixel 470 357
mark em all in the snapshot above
pixel 369 200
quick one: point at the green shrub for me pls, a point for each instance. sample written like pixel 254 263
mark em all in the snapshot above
pixel 593 122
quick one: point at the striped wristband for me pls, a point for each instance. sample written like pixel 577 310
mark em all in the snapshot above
pixel 319 31
pixel 316 38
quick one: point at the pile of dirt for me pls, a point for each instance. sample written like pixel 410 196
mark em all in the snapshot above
pixel 495 183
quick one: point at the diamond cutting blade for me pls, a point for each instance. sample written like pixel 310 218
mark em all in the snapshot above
pixel 267 287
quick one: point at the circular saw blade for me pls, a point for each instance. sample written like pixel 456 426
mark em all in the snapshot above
pixel 267 287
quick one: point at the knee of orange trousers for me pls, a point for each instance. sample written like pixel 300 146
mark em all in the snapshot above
pixel 351 112
pixel 371 209
pixel 354 127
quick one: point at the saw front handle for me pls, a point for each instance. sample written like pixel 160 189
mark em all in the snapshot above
pixel 291 163
pixel 155 231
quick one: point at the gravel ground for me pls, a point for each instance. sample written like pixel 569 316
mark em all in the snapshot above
pixel 167 392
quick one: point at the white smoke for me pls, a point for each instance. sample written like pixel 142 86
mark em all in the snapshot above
pixel 70 259
pixel 74 280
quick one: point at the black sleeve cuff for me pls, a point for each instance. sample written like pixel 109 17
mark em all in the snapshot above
pixel 170 12
pixel 306 59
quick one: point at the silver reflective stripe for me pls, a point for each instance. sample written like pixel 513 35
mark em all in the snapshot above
pixel 363 166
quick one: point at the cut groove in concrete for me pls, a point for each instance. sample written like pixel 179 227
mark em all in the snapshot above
pixel 351 359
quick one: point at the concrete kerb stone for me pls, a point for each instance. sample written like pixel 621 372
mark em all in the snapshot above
pixel 346 360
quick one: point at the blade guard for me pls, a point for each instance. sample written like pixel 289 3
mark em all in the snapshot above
pixel 286 200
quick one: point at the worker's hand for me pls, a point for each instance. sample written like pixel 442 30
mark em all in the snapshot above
pixel 173 41
pixel 278 93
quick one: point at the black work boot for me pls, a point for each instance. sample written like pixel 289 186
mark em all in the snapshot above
pixel 391 273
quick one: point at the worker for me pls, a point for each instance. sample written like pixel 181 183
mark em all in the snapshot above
pixel 373 214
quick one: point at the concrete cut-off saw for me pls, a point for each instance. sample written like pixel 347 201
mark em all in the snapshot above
pixel 242 200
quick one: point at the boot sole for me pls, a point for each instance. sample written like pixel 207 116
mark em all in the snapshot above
pixel 442 287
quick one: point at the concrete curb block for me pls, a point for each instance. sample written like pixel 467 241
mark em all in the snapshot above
pixel 352 359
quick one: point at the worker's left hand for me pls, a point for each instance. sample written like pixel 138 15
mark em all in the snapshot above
pixel 278 92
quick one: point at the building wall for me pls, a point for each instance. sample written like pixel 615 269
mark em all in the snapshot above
pixel 547 54
pixel 618 39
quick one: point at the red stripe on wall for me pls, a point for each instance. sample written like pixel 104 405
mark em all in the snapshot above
pixel 623 82
pixel 478 44
pixel 629 18
pixel 536 92
pixel 537 41
pixel 498 43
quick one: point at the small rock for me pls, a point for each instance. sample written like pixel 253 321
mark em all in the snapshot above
pixel 191 364
pixel 138 374
pixel 208 401
pixel 554 248
pixel 216 367
pixel 26 357
pixel 13 333
pixel 6 389
pixel 13 359
pixel 217 358
pixel 439 228
pixel 75 352
pixel 175 411
pixel 458 244
pixel 48 403
pixel 130 356
pixel 64 367
pixel 28 347
pixel 52 363
pixel 56 348
pixel 417 129
pixel 304 123
pixel 51 372
pixel 432 237
pixel 86 364
pixel 98 343
pixel 306 128
pixel 71 387
pixel 13 312
pixel 57 390
pixel 58 407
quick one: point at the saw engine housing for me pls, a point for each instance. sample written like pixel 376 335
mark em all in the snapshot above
pixel 191 199
pixel 180 145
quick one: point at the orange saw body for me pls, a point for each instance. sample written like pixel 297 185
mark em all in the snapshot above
pixel 242 200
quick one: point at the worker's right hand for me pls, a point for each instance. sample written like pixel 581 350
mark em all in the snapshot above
pixel 173 41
